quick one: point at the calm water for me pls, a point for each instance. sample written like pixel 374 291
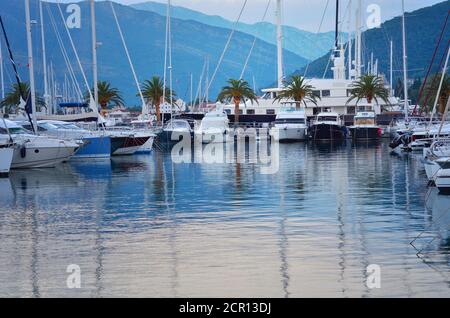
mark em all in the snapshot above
pixel 147 227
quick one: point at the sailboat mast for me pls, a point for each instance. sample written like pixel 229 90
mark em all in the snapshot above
pixel 336 34
pixel 192 90
pixel 170 63
pixel 31 64
pixel 391 54
pixel 44 59
pixel 358 59
pixel 405 69
pixel 2 79
pixel 350 57
pixel 94 53
pixel 280 44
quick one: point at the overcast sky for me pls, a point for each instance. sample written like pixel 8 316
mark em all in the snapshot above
pixel 304 14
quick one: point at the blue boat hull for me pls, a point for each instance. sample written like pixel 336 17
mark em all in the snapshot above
pixel 95 147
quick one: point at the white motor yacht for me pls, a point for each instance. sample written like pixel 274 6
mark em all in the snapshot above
pixel 35 151
pixel 173 129
pixel 213 128
pixel 290 125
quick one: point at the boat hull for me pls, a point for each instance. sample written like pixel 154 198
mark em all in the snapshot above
pixel 431 169
pixel 6 157
pixel 131 146
pixel 165 136
pixel 290 134
pixel 95 148
pixel 147 147
pixel 365 133
pixel 40 157
pixel 327 132
pixel 442 181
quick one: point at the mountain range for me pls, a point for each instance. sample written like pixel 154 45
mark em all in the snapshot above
pixel 197 36
pixel 144 33
pixel 423 28
pixel 303 43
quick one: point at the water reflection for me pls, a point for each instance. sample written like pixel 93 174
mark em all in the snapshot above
pixel 145 226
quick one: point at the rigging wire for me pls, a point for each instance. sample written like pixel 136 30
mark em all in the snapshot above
pixel 432 61
pixel 227 44
pixel 64 53
pixel 318 31
pixel 254 42
pixel 92 101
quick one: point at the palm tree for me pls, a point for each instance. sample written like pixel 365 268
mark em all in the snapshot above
pixel 153 91
pixel 299 90
pixel 369 87
pixel 237 90
pixel 107 96
pixel 12 99
pixel 430 91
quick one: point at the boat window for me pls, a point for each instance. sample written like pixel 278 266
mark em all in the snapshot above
pixel 178 124
pixel 290 121
pixel 351 110
pixel 228 111
pixel 18 130
pixel 326 93
pixel 364 121
pixel 266 96
pixel 214 124
pixel 250 111
pixel 316 93
pixel 270 111
pixel 327 118
pixel 45 126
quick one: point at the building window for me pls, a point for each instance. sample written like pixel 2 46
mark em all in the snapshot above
pixel 316 110
pixel 326 93
pixel 349 92
pixel 228 111
pixel 350 109
pixel 270 111
pixel 316 93
pixel 250 111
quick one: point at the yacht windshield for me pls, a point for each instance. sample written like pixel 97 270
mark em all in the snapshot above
pixel 18 131
pixel 327 118
pixel 67 126
pixel 178 125
pixel 290 121
pixel 46 126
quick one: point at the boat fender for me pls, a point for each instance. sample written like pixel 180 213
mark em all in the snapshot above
pixel 23 151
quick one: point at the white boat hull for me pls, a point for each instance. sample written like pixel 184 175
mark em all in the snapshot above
pixel 208 137
pixel 128 151
pixel 442 180
pixel 290 133
pixel 147 147
pixel 39 157
pixel 431 168
pixel 6 157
